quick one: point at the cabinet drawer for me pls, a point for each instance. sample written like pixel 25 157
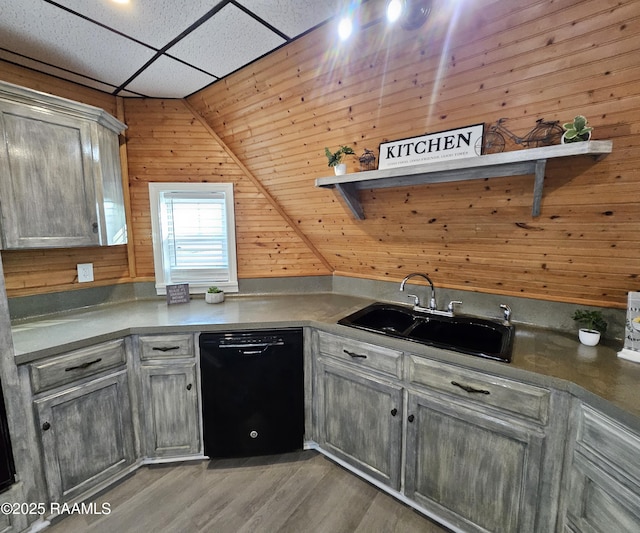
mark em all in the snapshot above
pixel 610 441
pixel 56 371
pixel 163 346
pixel 362 354
pixel 504 394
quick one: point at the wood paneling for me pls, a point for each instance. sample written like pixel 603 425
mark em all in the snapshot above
pixel 167 143
pixel 473 63
pixel 267 126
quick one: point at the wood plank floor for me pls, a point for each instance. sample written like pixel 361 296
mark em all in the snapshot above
pixel 298 492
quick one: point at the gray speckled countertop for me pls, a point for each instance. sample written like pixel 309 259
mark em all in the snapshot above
pixel 540 356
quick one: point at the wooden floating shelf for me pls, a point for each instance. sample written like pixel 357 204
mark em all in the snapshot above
pixel 517 163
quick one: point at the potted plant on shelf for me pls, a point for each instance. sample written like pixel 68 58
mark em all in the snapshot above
pixel 576 131
pixel 335 159
pixel 214 295
pixel 594 326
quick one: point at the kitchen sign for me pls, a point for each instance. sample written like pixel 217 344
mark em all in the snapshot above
pixel 441 146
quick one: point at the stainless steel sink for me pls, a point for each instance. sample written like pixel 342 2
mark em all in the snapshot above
pixel 472 335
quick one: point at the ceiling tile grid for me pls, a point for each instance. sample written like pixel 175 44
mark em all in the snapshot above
pixel 152 48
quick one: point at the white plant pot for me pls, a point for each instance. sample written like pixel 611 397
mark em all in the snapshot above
pixel 589 337
pixel 340 169
pixel 214 297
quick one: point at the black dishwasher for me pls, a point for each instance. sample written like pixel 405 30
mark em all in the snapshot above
pixel 252 392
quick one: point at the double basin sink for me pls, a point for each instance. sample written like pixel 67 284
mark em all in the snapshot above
pixel 483 337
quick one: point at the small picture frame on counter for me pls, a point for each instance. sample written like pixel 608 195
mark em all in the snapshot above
pixel 178 293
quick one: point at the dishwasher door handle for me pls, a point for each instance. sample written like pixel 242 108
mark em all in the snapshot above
pixel 254 352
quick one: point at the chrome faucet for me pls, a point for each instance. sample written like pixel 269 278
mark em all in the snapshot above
pixel 506 312
pixel 432 300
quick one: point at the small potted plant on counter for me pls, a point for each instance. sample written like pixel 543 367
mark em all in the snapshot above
pixel 335 159
pixel 594 326
pixel 214 295
pixel 576 131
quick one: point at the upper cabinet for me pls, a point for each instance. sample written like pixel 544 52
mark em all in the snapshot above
pixel 61 181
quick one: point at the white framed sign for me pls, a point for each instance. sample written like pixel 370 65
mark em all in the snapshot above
pixel 443 145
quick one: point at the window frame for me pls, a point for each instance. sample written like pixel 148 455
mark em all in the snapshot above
pixel 156 189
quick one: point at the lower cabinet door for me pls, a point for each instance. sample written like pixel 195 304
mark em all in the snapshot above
pixel 361 422
pixel 170 410
pixel 599 503
pixel 87 435
pixel 602 478
pixel 477 470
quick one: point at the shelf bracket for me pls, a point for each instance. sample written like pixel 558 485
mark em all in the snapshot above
pixel 349 194
pixel 538 185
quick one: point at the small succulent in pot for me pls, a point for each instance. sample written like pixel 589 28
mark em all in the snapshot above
pixel 214 295
pixel 577 130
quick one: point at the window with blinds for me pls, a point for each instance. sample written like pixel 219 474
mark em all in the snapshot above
pixel 194 235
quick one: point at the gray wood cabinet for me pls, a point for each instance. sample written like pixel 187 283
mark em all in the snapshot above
pixel 483 452
pixel 86 433
pixel 359 405
pixel 602 478
pixel 170 410
pixel 477 451
pixel 170 405
pixel 60 161
pixel 480 471
pixel 361 421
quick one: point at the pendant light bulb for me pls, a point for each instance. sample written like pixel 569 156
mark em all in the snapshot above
pixel 345 28
pixel 394 10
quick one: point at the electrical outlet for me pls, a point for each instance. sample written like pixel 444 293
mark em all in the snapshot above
pixel 85 272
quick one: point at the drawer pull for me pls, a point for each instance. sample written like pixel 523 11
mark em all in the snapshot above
pixel 83 365
pixel 165 348
pixel 355 355
pixel 469 389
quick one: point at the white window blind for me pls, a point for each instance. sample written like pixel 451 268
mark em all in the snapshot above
pixel 194 244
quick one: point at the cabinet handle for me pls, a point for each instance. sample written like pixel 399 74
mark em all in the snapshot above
pixel 83 365
pixel 46 426
pixel 411 418
pixel 394 412
pixel 94 227
pixel 354 355
pixel 189 386
pixel 469 389
pixel 165 348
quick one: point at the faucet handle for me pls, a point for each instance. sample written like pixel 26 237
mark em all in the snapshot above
pixel 452 304
pixel 507 312
pixel 416 300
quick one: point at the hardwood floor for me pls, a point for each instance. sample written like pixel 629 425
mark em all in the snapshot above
pixel 298 492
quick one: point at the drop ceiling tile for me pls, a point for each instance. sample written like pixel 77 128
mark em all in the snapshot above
pixel 294 18
pixel 159 79
pixel 46 33
pixel 226 42
pixel 47 69
pixel 154 22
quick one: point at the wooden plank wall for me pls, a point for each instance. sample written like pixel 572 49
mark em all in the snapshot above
pixel 167 143
pixel 472 62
